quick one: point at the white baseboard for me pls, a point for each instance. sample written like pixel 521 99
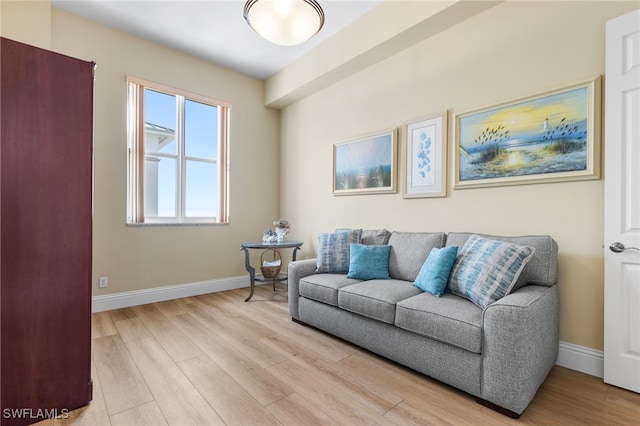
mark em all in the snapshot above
pixel 160 294
pixel 580 358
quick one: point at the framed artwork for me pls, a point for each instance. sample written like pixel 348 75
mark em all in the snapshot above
pixel 550 137
pixel 365 165
pixel 426 157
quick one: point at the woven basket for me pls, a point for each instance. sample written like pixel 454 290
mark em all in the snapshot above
pixel 271 271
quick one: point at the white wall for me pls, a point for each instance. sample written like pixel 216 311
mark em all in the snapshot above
pixel 512 50
pixel 26 21
pixel 144 257
pixel 138 258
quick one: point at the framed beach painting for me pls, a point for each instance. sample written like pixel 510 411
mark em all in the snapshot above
pixel 550 137
pixel 365 165
pixel 426 157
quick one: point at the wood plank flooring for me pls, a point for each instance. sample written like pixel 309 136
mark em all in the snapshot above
pixel 216 360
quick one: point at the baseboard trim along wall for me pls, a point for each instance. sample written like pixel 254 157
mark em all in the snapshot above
pixel 161 294
pixel 579 358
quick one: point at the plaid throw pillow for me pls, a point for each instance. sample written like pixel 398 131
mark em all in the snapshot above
pixel 333 250
pixel 486 270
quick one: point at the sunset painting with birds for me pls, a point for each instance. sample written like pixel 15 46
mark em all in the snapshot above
pixel 537 136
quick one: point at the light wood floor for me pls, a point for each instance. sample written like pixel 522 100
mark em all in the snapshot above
pixel 215 359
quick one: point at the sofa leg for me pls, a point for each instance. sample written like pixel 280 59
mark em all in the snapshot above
pixel 298 321
pixel 498 408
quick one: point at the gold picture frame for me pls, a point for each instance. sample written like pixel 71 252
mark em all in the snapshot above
pixel 553 136
pixel 366 164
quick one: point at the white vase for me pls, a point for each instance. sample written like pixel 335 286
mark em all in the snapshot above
pixel 281 232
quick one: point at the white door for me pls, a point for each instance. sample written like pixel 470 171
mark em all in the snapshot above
pixel 622 203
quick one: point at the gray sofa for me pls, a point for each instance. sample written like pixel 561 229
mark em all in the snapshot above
pixel 500 354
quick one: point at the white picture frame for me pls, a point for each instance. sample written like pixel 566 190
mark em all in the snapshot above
pixel 425 150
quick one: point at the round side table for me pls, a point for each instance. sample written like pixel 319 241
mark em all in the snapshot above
pixel 282 276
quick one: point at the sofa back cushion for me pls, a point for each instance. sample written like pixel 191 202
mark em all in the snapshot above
pixel 409 250
pixel 542 268
pixel 375 236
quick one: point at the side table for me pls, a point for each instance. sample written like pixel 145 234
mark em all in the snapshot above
pixel 282 276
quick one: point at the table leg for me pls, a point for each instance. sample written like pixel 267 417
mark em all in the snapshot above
pixel 252 272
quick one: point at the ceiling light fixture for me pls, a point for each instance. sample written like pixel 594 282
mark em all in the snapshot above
pixel 284 22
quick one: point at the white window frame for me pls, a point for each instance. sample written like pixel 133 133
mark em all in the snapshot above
pixel 137 154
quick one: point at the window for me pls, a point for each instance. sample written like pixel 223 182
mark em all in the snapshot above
pixel 177 170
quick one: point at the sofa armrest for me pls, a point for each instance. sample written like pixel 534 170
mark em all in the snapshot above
pixel 296 271
pixel 520 345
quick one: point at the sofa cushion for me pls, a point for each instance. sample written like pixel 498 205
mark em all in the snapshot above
pixel 369 262
pixel 434 274
pixel 324 287
pixel 409 250
pixel 376 298
pixel 486 270
pixel 375 236
pixel 450 319
pixel 542 268
pixel 333 250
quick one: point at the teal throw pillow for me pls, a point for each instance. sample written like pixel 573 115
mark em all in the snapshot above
pixel 434 274
pixel 369 262
pixel 486 270
pixel 333 250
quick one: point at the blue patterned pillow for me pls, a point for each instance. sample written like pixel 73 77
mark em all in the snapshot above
pixel 435 271
pixel 486 270
pixel 369 262
pixel 333 250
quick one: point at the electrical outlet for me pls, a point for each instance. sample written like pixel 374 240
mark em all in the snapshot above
pixel 103 282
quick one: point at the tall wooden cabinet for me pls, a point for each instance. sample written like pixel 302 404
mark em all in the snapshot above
pixel 46 110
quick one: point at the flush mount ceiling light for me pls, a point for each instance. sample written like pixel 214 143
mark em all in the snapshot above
pixel 284 22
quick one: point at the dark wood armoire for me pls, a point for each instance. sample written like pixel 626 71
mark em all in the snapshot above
pixel 46 134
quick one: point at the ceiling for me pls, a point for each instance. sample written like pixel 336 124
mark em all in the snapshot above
pixel 214 30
